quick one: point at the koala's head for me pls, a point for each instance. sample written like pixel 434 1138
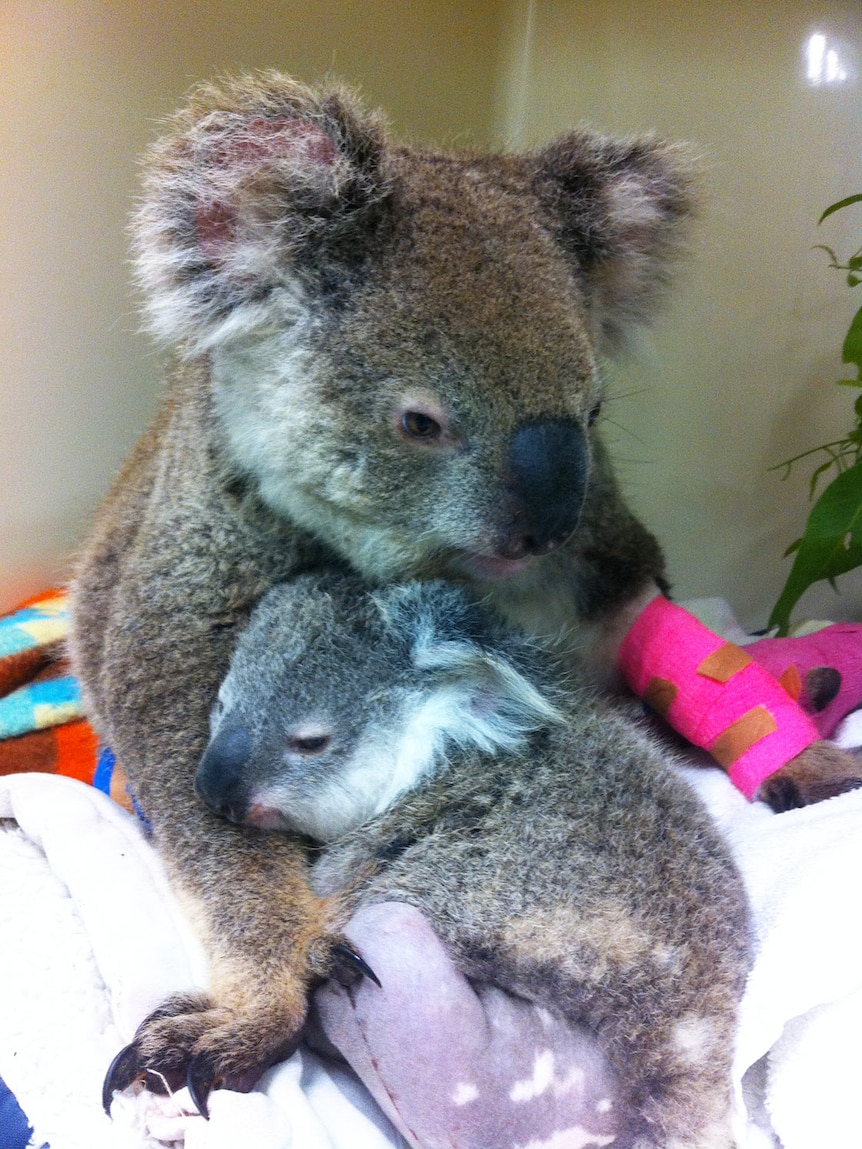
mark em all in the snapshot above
pixel 339 699
pixel 405 345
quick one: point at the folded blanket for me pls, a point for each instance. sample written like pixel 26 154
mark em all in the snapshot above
pixel 99 940
pixel 42 727
pixel 799 1044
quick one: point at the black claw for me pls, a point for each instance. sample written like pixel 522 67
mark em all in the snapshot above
pixel 201 1079
pixel 123 1070
pixel 354 961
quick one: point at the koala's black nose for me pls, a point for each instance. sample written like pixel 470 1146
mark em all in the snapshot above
pixel 220 780
pixel 548 464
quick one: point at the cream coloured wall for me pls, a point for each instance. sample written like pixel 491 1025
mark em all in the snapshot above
pixel 81 84
pixel 739 373
pixel 736 377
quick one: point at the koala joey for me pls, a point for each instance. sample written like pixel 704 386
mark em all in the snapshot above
pixel 446 764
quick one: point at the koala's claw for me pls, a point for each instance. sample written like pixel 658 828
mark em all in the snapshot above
pixel 348 963
pixel 125 1069
pixel 202 1078
pixel 130 1066
pixel 782 795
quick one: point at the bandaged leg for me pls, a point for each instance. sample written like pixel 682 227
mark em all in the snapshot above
pixel 714 694
pixel 822 671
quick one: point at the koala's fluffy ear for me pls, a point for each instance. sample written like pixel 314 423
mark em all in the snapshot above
pixel 257 185
pixel 494 701
pixel 423 613
pixel 475 694
pixel 622 208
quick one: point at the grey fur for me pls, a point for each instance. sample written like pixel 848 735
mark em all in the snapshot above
pixel 567 864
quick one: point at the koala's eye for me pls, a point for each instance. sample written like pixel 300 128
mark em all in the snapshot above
pixel 418 425
pixel 594 414
pixel 309 744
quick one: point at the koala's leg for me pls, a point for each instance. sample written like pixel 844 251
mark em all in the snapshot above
pixel 676 1071
pixel 659 986
pixel 457 1060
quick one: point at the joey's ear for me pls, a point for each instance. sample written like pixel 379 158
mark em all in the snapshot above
pixel 257 187
pixel 622 208
pixel 483 698
pixel 474 694
pixel 422 613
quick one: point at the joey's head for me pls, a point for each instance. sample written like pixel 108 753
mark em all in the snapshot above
pixel 405 346
pixel 340 699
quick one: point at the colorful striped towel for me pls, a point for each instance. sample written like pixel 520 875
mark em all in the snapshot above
pixel 42 725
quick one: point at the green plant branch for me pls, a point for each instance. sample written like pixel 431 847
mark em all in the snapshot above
pixel 831 544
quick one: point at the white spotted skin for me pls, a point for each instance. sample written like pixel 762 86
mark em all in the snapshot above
pixel 464 1093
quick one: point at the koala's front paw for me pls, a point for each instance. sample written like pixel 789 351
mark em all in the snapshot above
pixel 192 1039
pixel 208 1042
pixel 821 771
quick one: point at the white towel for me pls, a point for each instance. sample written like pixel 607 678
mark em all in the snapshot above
pixel 91 939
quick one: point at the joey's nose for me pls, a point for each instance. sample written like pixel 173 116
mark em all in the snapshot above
pixel 548 465
pixel 220 780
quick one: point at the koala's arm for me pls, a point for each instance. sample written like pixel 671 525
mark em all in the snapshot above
pixel 174 563
pixel 720 698
pixel 616 560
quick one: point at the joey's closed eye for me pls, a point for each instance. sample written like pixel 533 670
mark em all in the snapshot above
pixel 309 744
pixel 594 414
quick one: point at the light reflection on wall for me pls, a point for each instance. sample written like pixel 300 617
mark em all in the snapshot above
pixel 823 64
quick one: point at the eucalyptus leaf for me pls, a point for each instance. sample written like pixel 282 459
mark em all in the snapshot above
pixel 793 548
pixel 833 207
pixel 831 544
pixel 816 475
pixel 852 350
pixel 829 252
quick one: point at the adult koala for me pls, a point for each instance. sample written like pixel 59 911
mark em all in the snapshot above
pixel 386 357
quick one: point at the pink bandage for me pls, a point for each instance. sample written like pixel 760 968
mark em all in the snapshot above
pixel 712 693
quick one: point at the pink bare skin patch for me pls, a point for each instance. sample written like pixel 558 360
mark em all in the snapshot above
pixel 460 1064
pixel 261 142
